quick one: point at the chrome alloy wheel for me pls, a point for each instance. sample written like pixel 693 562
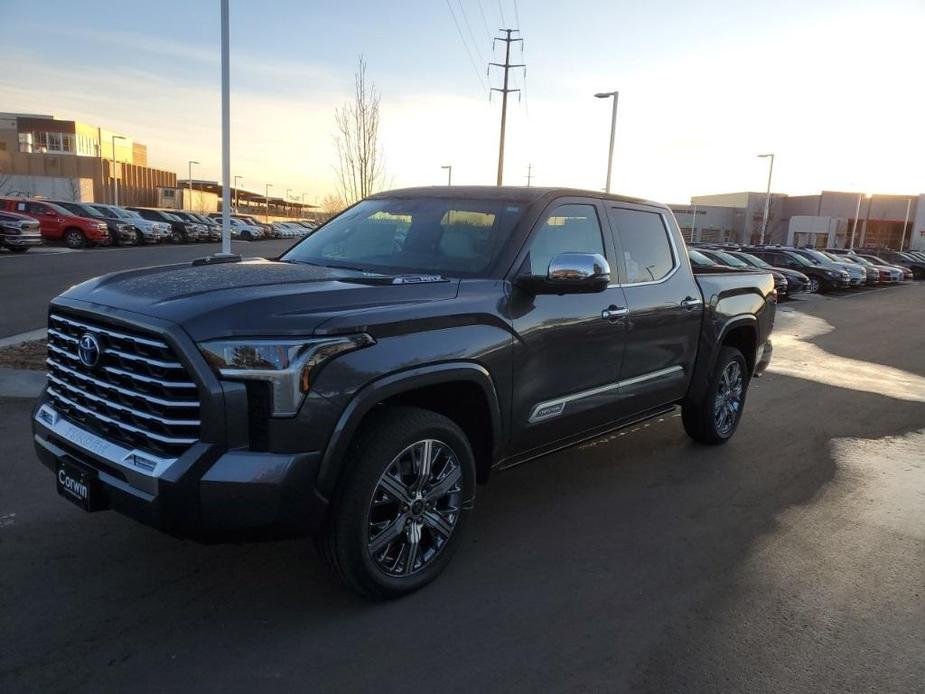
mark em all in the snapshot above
pixel 728 403
pixel 414 508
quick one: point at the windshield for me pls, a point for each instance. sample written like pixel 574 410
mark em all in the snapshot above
pixel 699 258
pixel 730 260
pixel 802 260
pixel 754 260
pixel 430 235
pixel 821 258
pixel 82 210
pixel 171 217
pixel 859 260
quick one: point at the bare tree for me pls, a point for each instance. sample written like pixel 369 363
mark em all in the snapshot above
pixel 331 205
pixel 360 170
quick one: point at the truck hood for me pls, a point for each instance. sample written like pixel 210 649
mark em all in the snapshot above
pixel 258 297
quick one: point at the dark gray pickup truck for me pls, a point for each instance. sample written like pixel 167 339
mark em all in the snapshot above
pixel 361 385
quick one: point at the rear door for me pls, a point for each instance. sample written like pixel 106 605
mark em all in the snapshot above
pixel 567 350
pixel 665 307
pixel 48 218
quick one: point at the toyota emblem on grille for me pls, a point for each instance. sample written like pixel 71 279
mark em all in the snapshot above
pixel 88 349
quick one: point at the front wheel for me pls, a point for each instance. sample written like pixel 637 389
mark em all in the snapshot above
pixel 814 285
pixel 716 417
pixel 400 513
pixel 74 238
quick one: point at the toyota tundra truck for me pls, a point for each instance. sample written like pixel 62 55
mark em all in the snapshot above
pixel 359 387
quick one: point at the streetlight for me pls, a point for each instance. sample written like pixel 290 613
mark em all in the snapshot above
pixel 226 132
pixel 190 175
pixel 902 238
pixel 449 174
pixel 236 192
pixel 767 199
pixel 115 177
pixel 613 130
pixel 266 217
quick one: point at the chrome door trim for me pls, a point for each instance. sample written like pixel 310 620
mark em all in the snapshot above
pixel 553 408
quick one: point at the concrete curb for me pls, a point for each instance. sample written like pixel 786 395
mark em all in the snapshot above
pixel 14 340
pixel 21 383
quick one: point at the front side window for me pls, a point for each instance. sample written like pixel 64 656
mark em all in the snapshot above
pixel 567 229
pixel 419 235
pixel 646 248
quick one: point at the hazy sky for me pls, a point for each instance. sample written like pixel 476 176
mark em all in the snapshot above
pixel 833 88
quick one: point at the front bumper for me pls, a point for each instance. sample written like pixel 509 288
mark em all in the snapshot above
pixel 21 240
pixel 209 492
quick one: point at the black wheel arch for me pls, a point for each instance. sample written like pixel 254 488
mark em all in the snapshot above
pixel 740 332
pixel 418 387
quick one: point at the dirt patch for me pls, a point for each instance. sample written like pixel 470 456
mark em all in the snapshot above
pixel 27 355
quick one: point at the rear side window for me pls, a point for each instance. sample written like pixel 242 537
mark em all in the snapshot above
pixel 646 248
pixel 568 229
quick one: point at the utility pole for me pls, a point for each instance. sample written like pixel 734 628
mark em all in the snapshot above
pixel 854 228
pixel 902 237
pixel 190 176
pixel 529 174
pixel 504 90
pixel 266 217
pixel 115 171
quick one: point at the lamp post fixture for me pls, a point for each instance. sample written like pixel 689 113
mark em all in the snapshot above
pixel 266 217
pixel 767 200
pixel 226 130
pixel 190 176
pixel 115 177
pixel 449 174
pixel 613 132
pixel 236 192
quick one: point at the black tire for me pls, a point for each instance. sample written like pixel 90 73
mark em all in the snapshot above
pixel 918 274
pixel 246 236
pixel 814 285
pixel 704 421
pixel 347 542
pixel 74 238
pixel 180 236
pixel 18 249
pixel 139 238
pixel 113 238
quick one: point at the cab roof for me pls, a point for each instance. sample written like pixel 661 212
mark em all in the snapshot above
pixel 512 193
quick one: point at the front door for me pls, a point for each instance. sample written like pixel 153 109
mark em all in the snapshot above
pixel 567 350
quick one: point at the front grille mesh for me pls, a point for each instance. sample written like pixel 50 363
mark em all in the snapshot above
pixel 138 394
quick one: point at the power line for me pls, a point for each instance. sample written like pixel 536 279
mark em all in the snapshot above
pixel 501 10
pixel 484 21
pixel 516 15
pixel 462 38
pixel 475 43
pixel 505 90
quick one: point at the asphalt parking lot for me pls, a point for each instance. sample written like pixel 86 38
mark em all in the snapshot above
pixel 790 560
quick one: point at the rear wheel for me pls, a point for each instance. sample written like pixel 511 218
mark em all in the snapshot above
pixel 716 417
pixel 401 511
pixel 18 249
pixel 74 238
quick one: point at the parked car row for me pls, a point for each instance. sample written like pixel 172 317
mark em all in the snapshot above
pixel 813 269
pixel 26 223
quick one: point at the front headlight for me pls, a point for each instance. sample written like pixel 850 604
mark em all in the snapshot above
pixel 288 366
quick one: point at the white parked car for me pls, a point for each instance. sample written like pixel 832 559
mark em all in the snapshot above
pixel 151 231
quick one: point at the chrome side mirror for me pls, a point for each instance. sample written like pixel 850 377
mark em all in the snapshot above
pixel 571 273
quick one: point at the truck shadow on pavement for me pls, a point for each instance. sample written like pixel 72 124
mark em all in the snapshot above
pixel 600 567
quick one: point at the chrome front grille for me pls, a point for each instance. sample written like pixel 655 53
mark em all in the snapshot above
pixel 138 394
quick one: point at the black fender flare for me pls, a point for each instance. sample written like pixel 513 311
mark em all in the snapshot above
pixel 709 353
pixel 395 384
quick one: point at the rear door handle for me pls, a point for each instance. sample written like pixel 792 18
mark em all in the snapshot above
pixel 614 313
pixel 690 302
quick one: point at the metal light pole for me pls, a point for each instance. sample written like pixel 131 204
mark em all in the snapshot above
pixel 613 132
pixel 190 175
pixel 236 192
pixel 115 176
pixel 694 224
pixel 266 217
pixel 767 199
pixel 854 227
pixel 226 136
pixel 449 174
pixel 902 238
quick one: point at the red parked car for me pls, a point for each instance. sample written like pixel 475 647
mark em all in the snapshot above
pixel 57 224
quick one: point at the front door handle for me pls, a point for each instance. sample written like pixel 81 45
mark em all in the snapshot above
pixel 690 302
pixel 614 313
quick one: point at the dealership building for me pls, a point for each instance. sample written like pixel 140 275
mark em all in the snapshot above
pixel 44 156
pixel 830 219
